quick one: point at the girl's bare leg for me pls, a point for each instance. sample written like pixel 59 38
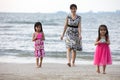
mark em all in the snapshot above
pixel 69 57
pixel 41 59
pixel 37 62
pixel 104 67
pixel 73 57
pixel 98 69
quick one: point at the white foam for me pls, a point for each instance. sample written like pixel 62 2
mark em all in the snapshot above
pixel 23 60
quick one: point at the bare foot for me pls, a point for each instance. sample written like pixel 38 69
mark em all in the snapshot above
pixel 98 71
pixel 104 72
pixel 73 65
pixel 69 64
pixel 37 66
pixel 40 65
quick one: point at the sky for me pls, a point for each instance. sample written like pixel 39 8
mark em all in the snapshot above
pixel 50 6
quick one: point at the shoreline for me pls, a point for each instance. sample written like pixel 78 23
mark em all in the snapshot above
pixel 54 71
pixel 31 60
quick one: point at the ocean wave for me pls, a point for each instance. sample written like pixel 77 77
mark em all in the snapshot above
pixel 6 27
pixel 20 22
pixel 28 22
pixel 16 33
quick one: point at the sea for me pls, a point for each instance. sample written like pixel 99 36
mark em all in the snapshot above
pixel 16 31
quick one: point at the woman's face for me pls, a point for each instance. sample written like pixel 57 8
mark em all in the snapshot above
pixel 73 10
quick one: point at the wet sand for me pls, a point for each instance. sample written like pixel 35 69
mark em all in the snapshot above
pixel 54 71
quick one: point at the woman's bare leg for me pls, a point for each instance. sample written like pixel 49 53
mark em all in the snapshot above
pixel 73 57
pixel 69 57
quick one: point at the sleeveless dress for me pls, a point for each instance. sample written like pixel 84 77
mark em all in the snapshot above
pixel 39 46
pixel 72 37
pixel 102 54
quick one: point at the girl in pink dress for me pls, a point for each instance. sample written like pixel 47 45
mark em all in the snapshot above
pixel 38 38
pixel 102 56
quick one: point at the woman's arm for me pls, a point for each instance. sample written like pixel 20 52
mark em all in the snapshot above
pixel 79 29
pixel 65 27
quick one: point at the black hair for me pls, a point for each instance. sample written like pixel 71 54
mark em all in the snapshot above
pixel 73 5
pixel 38 24
pixel 107 33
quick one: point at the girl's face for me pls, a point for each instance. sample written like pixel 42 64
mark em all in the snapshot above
pixel 38 28
pixel 73 10
pixel 102 31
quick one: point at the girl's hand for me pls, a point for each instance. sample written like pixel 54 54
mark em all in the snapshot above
pixel 34 36
pixel 108 42
pixel 61 37
pixel 43 36
pixel 96 43
pixel 99 41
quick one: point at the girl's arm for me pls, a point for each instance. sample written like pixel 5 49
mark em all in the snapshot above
pixel 43 36
pixel 65 27
pixel 96 42
pixel 34 37
pixel 108 41
pixel 79 30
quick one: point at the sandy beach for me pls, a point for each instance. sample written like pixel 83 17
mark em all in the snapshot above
pixel 53 71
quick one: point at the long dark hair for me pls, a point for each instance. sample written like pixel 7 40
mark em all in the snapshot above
pixel 38 24
pixel 107 33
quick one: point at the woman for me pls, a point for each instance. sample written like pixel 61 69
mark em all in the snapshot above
pixel 72 29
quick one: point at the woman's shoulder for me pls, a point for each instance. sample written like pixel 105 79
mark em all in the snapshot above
pixel 78 16
pixel 68 16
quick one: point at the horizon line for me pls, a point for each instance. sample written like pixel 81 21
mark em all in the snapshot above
pixel 62 12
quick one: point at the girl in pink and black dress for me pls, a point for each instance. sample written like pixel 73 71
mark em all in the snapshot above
pixel 102 56
pixel 38 38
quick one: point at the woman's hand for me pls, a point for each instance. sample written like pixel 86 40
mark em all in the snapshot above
pixel 80 37
pixel 61 37
pixel 65 27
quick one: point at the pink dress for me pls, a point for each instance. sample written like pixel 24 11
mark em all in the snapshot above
pixel 39 46
pixel 102 55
